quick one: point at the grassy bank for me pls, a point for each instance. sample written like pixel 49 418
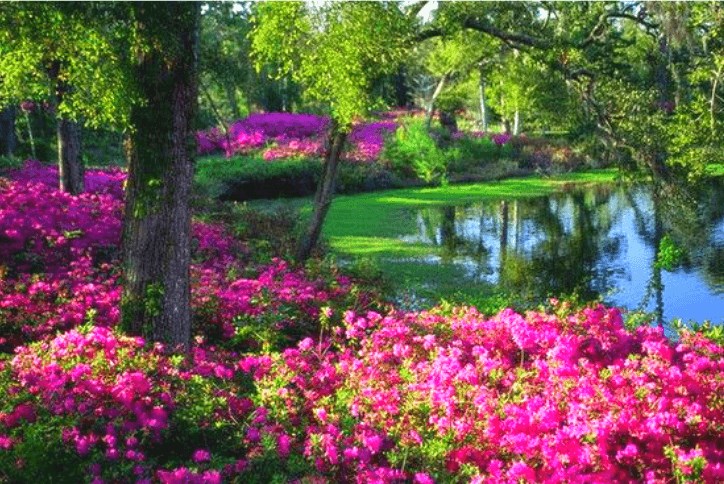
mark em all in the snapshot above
pixel 370 226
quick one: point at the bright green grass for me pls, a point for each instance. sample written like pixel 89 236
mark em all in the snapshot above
pixel 370 223
pixel 369 226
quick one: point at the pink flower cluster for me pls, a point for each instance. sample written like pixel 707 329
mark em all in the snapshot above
pixel 97 377
pixel 33 306
pixel 106 181
pixel 501 138
pixel 368 139
pixel 288 135
pixel 540 397
pixel 257 130
pixel 60 266
pixel 115 399
pixel 291 148
pixel 288 296
pixel 39 221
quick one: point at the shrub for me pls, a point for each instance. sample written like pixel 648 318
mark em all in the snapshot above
pixel 414 153
pixel 247 178
pixel 545 154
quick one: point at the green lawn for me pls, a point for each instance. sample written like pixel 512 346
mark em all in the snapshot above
pixel 370 224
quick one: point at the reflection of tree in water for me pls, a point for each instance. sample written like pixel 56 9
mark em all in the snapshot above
pixel 544 246
pixel 567 243
pixel 566 259
pixel 688 215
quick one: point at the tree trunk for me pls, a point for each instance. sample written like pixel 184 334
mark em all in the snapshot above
pixel 712 101
pixel 516 123
pixel 483 105
pixel 431 105
pixel 402 92
pixel 70 164
pixel 160 151
pixel 325 190
pixel 31 138
pixel 506 126
pixel 7 131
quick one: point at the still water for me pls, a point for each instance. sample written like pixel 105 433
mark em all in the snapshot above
pixel 595 242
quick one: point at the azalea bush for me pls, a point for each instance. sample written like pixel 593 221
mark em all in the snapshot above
pixel 439 396
pixel 291 135
pixel 60 268
pixel 539 397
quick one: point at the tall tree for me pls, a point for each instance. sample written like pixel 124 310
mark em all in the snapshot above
pixel 335 51
pixel 160 149
pixel 61 54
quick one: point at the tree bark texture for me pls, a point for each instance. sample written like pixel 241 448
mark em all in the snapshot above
pixel 70 163
pixel 7 131
pixel 160 151
pixel 323 197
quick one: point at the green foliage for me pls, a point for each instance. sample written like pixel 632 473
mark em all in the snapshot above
pixel 335 50
pixel 236 178
pixel 251 177
pixel 7 162
pixel 713 332
pixel 669 255
pixel 65 54
pixel 470 153
pixel 414 153
pixel 41 446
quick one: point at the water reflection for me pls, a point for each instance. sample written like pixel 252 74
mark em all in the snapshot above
pixel 601 241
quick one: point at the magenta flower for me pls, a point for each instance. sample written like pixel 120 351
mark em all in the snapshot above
pixel 199 456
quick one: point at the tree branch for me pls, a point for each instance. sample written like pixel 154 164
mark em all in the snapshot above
pixel 508 37
pixel 596 30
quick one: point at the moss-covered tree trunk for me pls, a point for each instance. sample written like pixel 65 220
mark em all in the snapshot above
pixel 325 190
pixel 160 151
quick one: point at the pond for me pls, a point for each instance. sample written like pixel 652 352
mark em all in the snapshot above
pixel 601 241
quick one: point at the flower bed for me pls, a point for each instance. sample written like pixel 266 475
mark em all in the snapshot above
pixel 288 135
pixel 60 268
pixel 439 396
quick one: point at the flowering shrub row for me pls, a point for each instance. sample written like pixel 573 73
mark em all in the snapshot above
pixel 437 396
pixel 287 135
pixel 60 265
